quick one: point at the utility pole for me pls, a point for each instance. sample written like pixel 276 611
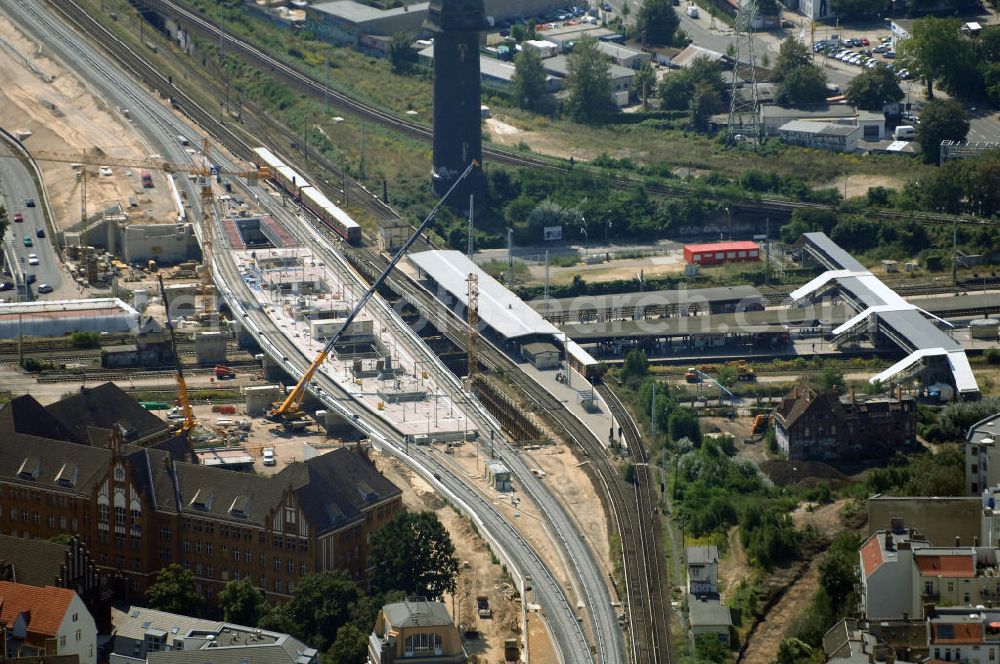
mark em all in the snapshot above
pixel 954 252
pixel 547 279
pixel 472 200
pixel 767 251
pixel 510 258
pixel 305 138
pixel 362 164
pixel 652 413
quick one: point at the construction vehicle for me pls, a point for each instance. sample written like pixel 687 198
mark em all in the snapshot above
pixel 182 395
pixel 744 372
pixel 289 412
pixel 222 371
pixel 483 607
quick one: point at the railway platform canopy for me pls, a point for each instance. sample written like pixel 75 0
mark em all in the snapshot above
pixel 507 315
pixel 650 304
pixel 879 310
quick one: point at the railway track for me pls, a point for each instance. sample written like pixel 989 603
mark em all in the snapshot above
pixel 197 24
pixel 649 632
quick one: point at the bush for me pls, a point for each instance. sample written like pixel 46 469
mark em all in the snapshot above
pixel 992 356
pixel 86 340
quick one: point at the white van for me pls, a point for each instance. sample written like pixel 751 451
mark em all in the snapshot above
pixel 692 11
pixel 904 132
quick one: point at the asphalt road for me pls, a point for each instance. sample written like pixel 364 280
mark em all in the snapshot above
pixel 16 186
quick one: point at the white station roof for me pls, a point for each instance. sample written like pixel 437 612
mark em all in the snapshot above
pixel 499 308
pixel 923 337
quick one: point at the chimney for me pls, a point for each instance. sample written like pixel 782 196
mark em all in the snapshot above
pixel 888 542
pixel 958 541
pixel 975 541
pixel 852 395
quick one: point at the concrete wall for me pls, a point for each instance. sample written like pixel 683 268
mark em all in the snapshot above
pixel 164 243
pixel 210 347
pixel 260 398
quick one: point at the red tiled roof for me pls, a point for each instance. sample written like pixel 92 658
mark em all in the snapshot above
pixel 740 245
pixel 946 565
pixel 871 556
pixel 47 606
pixel 960 633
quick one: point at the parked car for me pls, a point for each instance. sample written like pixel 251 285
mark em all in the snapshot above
pixel 864 41
pixel 890 54
pixel 881 48
pixel 269 459
pixel 44 288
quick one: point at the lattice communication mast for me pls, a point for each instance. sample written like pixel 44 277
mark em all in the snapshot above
pixel 744 110
pixel 472 314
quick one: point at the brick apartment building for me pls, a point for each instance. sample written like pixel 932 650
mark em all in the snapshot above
pixel 826 426
pixel 139 508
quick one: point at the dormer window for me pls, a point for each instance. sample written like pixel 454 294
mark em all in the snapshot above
pixel 67 475
pixel 202 500
pixel 29 468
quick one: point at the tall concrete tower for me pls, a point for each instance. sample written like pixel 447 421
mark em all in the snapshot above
pixel 458 135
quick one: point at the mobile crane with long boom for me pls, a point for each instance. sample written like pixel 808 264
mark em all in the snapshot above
pixel 289 411
pixel 182 396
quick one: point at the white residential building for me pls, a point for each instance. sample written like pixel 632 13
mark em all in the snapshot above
pixel 47 621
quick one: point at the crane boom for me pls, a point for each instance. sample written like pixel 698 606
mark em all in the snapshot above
pixel 182 394
pixel 291 403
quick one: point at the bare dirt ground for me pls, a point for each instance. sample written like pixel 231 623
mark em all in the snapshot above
pixel 65 117
pixel 858 185
pixel 503 133
pixel 824 518
pixel 565 476
pixel 735 567
pixel 479 574
pixel 625 268
pixel 763 646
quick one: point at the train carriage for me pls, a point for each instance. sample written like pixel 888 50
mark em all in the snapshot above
pixel 311 198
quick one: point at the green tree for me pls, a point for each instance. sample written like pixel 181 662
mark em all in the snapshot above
pixel 174 591
pixel 350 647
pixel 644 83
pixel 792 54
pixel 683 423
pixel 321 604
pixel 931 49
pixel 704 102
pixel 401 54
pixel 794 651
pixel 832 378
pixel 413 553
pixel 635 363
pixel 941 120
pixel 802 86
pixel 589 82
pixel 708 648
pixel 873 88
pixel 528 84
pixel 677 88
pixel 657 22
pixel 242 602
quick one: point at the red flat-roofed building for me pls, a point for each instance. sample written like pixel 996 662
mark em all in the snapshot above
pixel 717 253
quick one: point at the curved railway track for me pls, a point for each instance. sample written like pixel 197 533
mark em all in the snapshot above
pixel 644 583
pixel 197 24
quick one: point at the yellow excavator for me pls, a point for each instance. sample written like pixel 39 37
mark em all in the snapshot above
pixel 182 396
pixel 289 412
